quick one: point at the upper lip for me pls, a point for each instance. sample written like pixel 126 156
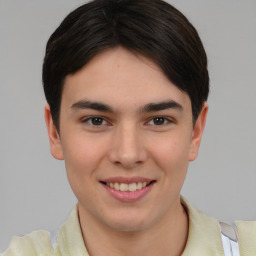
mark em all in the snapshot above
pixel 126 180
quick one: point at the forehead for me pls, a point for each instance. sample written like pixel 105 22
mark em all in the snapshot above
pixel 118 77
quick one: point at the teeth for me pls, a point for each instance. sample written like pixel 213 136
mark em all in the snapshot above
pixel 132 187
pixel 139 185
pixel 116 186
pixel 124 187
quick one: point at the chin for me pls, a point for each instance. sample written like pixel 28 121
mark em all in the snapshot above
pixel 128 223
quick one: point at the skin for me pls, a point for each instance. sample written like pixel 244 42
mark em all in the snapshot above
pixel 128 141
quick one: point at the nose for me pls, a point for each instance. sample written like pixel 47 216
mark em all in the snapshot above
pixel 127 149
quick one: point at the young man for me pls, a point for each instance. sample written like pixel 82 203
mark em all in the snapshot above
pixel 126 83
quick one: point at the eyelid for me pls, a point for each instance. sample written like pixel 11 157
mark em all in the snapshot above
pixel 106 122
pixel 167 120
pixel 88 120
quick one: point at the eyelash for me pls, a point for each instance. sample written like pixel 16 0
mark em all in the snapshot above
pixel 103 121
pixel 162 118
pixel 89 121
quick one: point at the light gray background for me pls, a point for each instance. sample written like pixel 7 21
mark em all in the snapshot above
pixel 34 192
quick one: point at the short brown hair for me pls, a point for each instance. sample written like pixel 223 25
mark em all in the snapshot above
pixel 152 28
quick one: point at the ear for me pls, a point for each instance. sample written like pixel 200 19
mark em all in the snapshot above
pixel 54 138
pixel 198 133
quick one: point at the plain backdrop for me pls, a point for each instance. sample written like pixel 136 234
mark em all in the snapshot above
pixel 34 191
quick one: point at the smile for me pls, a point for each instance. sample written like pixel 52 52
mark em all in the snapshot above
pixel 128 190
pixel 124 187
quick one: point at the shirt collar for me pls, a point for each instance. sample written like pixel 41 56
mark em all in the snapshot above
pixel 203 238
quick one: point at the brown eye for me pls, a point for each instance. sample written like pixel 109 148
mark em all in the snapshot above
pixel 97 121
pixel 159 120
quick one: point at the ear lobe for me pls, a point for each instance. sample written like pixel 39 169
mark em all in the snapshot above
pixel 198 133
pixel 54 139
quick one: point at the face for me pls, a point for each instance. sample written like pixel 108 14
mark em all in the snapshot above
pixel 126 136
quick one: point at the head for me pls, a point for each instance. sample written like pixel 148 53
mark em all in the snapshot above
pixel 151 28
pixel 126 83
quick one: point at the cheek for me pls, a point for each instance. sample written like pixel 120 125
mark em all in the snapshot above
pixel 82 158
pixel 83 154
pixel 172 152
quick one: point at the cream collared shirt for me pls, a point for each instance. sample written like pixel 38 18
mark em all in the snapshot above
pixel 203 240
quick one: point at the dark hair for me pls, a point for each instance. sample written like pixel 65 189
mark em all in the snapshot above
pixel 152 28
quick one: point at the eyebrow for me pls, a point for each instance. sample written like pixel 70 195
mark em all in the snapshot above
pixel 85 104
pixel 151 107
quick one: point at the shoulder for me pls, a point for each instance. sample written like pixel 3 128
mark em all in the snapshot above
pixel 247 236
pixel 204 236
pixel 33 244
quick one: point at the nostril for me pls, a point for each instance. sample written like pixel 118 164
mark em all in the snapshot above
pixel 127 157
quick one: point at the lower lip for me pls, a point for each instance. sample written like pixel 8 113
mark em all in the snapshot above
pixel 126 196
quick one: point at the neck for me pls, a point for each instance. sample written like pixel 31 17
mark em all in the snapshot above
pixel 167 237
